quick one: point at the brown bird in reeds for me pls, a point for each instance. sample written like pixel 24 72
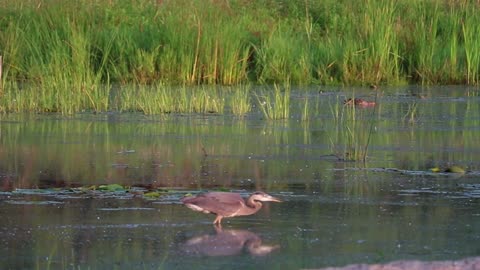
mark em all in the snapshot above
pixel 359 102
pixel 227 204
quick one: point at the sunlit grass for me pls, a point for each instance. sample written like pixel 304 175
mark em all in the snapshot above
pixel 240 102
pixel 207 100
pixel 71 52
pixel 470 30
pixel 160 99
pixel 372 55
pixel 276 105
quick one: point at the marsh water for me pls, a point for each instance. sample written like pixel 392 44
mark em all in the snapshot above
pixel 401 203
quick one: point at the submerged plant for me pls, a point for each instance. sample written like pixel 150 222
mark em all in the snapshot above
pixel 411 113
pixel 352 132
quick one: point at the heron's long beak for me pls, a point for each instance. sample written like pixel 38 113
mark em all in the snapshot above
pixel 273 199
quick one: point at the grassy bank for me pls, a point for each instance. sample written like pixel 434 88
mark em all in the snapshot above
pixel 72 51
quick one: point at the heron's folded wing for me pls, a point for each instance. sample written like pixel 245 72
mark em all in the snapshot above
pixel 223 203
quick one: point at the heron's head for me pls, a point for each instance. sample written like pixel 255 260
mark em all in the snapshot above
pixel 264 197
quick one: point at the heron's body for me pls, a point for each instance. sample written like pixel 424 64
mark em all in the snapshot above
pixel 226 204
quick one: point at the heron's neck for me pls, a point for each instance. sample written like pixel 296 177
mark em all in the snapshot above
pixel 253 205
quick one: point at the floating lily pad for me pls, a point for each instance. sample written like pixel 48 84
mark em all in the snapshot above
pixel 152 194
pixel 455 169
pixel 111 187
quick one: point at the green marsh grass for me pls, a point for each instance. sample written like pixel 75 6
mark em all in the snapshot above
pixel 437 56
pixel 1 72
pixel 276 105
pixel 70 53
pixel 284 56
pixel 207 100
pixel 239 101
pixel 160 99
pixel 372 56
pixel 471 30
pixel 154 99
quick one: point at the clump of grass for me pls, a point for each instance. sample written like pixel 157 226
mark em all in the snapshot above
pixel 207 100
pixel 161 98
pixel 411 113
pixel 276 105
pixel 147 99
pixel 352 148
pixel 240 100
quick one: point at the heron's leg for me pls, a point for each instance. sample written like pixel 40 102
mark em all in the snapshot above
pixel 218 220
pixel 218 228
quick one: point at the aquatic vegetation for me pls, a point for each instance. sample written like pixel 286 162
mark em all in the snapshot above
pixel 353 132
pixel 411 113
pixel 152 194
pixel 95 191
pixel 71 54
pixel 111 187
pixel 455 169
pixel 240 100
pixel 451 169
pixel 207 100
pixel 276 105
pixel 161 98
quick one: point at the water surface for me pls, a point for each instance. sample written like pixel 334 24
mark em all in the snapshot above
pixel 335 212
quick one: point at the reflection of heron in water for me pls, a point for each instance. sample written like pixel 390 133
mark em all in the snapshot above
pixel 227 243
pixel 227 204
